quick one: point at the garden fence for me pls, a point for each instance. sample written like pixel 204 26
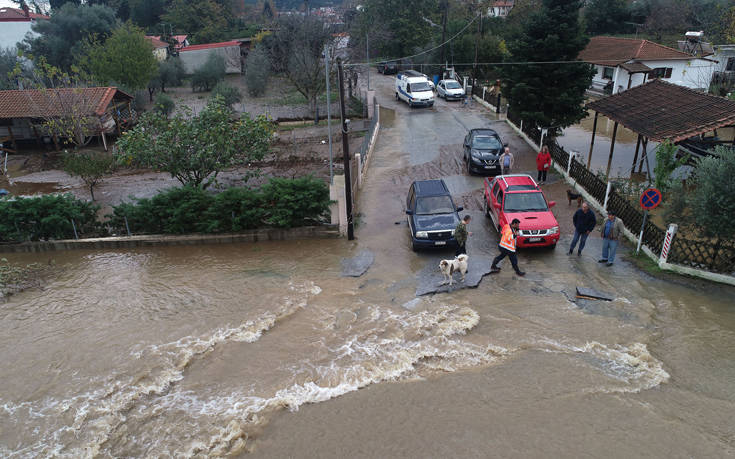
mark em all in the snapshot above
pixel 718 256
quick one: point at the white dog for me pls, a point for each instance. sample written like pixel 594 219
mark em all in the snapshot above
pixel 449 267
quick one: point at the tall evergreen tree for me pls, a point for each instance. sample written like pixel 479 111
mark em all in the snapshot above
pixel 549 94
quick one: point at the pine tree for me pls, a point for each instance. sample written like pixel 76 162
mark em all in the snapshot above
pixel 550 95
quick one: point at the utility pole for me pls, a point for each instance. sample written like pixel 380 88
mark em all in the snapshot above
pixel 346 151
pixel 444 5
pixel 367 55
pixel 477 41
pixel 329 116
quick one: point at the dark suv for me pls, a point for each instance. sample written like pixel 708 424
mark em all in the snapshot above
pixel 388 67
pixel 482 150
pixel 432 215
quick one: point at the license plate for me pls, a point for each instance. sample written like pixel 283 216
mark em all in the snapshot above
pixel 440 243
pixel 489 167
pixel 535 239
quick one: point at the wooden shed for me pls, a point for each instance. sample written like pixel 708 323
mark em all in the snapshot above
pixel 23 113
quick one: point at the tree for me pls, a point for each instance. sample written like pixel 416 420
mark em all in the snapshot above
pixel 708 202
pixel 395 29
pixel 666 164
pixel 66 103
pixel 126 58
pixel 296 49
pixel 171 73
pixel 606 16
pixel 8 62
pixel 208 74
pixel 257 71
pixel 147 13
pixel 229 94
pixel 205 20
pixel 62 37
pixel 195 148
pixel 549 95
pixel 91 167
pixel 666 16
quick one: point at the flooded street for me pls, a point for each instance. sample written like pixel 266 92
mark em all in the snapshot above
pixel 265 350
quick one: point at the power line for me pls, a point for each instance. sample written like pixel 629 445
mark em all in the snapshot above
pixel 425 51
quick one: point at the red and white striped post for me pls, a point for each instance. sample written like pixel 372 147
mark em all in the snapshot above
pixel 667 244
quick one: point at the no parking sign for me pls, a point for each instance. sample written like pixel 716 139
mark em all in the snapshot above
pixel 650 199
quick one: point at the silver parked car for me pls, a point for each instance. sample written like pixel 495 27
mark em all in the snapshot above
pixel 450 90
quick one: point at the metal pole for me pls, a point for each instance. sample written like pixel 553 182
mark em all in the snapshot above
pixel 592 143
pixel 76 236
pixel 612 148
pixel 127 227
pixel 643 226
pixel 329 115
pixel 367 55
pixel 346 151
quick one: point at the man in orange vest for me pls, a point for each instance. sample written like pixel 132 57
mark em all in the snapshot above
pixel 507 246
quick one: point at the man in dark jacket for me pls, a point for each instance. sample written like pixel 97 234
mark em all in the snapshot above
pixel 584 222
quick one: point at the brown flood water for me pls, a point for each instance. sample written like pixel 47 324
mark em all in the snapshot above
pixel 264 350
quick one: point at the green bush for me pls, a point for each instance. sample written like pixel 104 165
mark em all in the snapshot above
pixel 295 202
pixel 206 76
pixel 164 104
pixel 47 217
pixel 282 203
pixel 257 71
pixel 230 94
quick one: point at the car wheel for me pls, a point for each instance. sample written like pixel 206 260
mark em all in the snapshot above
pixel 485 207
pixel 552 246
pixel 396 96
pixel 469 167
pixel 414 247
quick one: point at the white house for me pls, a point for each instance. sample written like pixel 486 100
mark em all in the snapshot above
pixel 623 63
pixel 15 23
pixel 500 8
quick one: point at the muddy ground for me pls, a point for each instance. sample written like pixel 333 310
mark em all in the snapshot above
pixel 295 153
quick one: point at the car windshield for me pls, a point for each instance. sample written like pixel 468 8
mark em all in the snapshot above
pixel 453 85
pixel 420 86
pixel 486 142
pixel 525 202
pixel 434 205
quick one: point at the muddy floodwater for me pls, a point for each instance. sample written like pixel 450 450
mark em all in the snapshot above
pixel 266 350
pixel 209 350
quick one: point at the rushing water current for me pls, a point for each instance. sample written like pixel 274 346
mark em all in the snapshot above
pixel 193 351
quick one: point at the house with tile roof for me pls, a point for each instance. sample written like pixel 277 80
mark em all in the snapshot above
pixel 160 48
pixel 23 113
pixel 15 23
pixel 623 63
pixel 500 8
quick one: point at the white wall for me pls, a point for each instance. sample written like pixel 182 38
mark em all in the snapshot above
pixel 722 55
pixel 13 32
pixel 694 73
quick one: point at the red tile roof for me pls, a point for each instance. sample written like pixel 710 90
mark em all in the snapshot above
pixel 156 42
pixel 613 51
pixel 659 111
pixel 223 44
pixel 37 103
pixel 18 15
pixel 180 39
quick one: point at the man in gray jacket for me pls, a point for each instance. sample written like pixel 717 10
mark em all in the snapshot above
pixel 611 231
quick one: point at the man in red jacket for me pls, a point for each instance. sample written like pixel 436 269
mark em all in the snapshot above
pixel 543 163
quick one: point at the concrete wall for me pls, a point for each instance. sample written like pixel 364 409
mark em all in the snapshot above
pixel 13 32
pixel 153 240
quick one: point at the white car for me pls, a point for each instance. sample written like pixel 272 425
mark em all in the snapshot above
pixel 450 90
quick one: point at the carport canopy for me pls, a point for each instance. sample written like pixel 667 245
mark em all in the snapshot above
pixel 661 111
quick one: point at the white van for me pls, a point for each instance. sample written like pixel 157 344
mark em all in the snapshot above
pixel 415 90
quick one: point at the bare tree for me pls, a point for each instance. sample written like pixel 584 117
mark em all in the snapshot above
pixel 296 50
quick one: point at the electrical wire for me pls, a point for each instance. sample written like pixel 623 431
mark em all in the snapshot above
pixel 422 52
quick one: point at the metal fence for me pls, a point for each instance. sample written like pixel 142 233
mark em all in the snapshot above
pixel 365 146
pixel 716 257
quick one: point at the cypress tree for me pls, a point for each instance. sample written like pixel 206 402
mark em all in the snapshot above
pixel 549 94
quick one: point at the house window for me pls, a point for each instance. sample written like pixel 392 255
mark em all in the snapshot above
pixel 730 67
pixel 608 72
pixel 660 72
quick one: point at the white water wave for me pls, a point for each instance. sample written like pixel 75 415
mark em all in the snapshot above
pixel 95 415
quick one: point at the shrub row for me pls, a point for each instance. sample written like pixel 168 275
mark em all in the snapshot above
pixel 282 203
pixel 47 217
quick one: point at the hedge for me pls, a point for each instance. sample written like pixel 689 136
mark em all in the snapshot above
pixel 47 217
